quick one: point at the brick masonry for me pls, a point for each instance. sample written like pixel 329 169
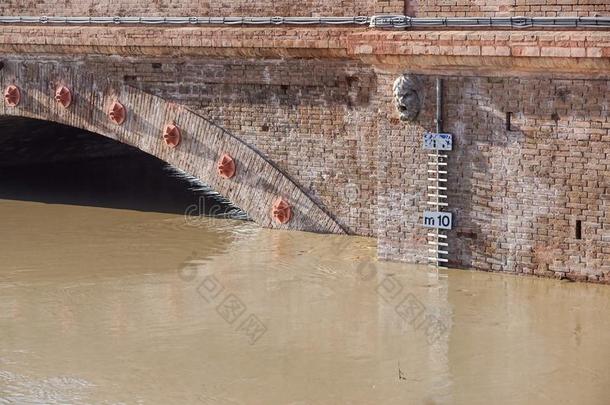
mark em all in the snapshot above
pixel 257 184
pixel 471 52
pixel 332 127
pixel 417 8
pixel 313 119
pixel 506 8
pixel 314 108
pixel 516 194
pixel 219 8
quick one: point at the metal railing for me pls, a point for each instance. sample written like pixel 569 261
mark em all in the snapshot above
pixel 378 21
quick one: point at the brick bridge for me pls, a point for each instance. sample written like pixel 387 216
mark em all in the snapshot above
pixel 308 115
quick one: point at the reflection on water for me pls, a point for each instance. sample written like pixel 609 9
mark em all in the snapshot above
pixel 110 306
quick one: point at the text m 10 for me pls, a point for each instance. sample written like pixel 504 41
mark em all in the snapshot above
pixel 438 220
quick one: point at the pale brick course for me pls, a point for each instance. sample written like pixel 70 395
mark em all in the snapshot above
pixel 416 8
pixel 220 8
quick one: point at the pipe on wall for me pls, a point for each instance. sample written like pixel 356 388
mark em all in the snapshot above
pixel 378 21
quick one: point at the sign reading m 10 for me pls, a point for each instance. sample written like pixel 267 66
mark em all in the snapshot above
pixel 433 141
pixel 438 220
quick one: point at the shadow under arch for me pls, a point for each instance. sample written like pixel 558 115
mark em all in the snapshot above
pixel 257 184
pixel 42 161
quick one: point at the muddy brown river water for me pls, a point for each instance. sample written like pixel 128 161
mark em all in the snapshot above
pixel 112 306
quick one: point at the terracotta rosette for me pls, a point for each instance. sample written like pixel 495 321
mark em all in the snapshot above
pixel 226 166
pixel 282 211
pixel 172 135
pixel 12 96
pixel 63 96
pixel 117 113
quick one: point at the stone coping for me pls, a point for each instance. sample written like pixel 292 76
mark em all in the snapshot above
pixel 568 51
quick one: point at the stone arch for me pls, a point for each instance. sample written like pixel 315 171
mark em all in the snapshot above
pixel 255 187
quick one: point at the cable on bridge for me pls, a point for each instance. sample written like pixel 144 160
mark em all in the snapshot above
pixel 378 21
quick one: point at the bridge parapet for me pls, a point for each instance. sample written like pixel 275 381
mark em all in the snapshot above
pixel 434 52
pixel 264 8
pixel 420 8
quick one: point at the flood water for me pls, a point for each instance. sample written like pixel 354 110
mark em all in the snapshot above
pixel 113 306
pixel 110 295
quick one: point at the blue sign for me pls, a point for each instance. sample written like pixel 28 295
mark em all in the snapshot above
pixel 433 141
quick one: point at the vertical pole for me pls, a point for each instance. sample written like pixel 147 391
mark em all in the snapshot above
pixel 439 105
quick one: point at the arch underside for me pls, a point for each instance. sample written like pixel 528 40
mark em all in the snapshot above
pixel 257 184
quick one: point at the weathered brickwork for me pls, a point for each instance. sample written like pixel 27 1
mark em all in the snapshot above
pixel 314 119
pixel 257 184
pixel 504 8
pixel 445 52
pixel 416 8
pixel 516 194
pixel 219 8
pixel 311 118
pixel 332 127
pixel 311 109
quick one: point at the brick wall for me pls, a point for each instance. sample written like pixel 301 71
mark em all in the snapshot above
pixel 491 8
pixel 419 8
pixel 201 8
pixel 257 184
pixel 332 127
pixel 315 119
pixel 516 195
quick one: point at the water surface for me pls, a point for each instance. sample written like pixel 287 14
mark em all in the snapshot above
pixel 112 306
